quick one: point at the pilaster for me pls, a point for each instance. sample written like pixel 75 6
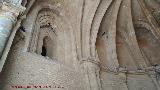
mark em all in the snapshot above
pixel 91 71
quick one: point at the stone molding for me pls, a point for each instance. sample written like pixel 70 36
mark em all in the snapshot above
pixel 148 70
pixel 90 59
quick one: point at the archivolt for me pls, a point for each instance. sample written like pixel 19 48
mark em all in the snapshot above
pixel 32 16
pixel 142 24
pixel 101 10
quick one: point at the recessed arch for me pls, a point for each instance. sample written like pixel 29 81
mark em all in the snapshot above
pixel 148 43
pixel 29 23
pixel 47 47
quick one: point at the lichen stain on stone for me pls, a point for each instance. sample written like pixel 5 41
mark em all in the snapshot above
pixel 157 16
pixel 59 1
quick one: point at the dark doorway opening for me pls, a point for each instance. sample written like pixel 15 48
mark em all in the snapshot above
pixel 44 51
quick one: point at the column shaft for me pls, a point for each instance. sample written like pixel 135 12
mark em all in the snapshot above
pixel 91 74
pixel 8 17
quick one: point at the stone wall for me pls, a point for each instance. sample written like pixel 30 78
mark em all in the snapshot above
pixel 98 45
pixel 30 69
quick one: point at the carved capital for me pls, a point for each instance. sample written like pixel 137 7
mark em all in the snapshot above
pixel 90 59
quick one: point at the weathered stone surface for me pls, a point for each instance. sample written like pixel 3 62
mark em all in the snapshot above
pixel 140 82
pixel 111 81
pixel 81 44
pixel 40 71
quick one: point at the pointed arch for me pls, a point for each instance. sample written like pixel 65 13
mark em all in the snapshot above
pixel 148 42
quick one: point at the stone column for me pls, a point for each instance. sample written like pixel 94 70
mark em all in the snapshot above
pixel 91 71
pixel 8 16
